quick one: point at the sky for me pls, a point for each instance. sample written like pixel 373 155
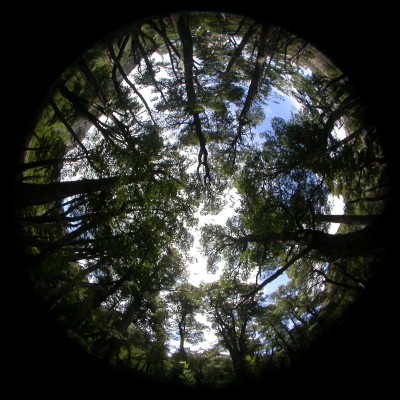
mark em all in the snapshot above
pixel 280 105
pixel 197 269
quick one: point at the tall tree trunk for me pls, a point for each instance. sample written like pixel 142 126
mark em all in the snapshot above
pixel 59 292
pixel 163 33
pixel 127 80
pixel 353 244
pixel 29 194
pixel 237 53
pixel 50 219
pixel 371 237
pixel 114 343
pixel 87 73
pixel 182 334
pixel 122 129
pixel 76 138
pixel 340 111
pixel 40 164
pixel 345 140
pixel 187 46
pixel 256 80
pixel 346 219
pixel 151 71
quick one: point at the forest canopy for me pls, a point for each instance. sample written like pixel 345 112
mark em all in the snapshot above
pixel 162 123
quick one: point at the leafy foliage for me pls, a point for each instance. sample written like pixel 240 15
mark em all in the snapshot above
pixel 165 118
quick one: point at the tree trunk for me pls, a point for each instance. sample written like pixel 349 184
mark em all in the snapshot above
pixel 371 237
pixel 30 194
pixel 340 111
pixel 87 73
pixel 256 80
pixel 40 164
pixel 114 343
pixel 38 220
pixel 122 129
pixel 182 334
pixel 58 292
pixel 187 46
pixel 237 53
pixel 353 244
pixel 346 219
pixel 126 79
pixel 81 106
pixel 61 117
pixel 345 140
pixel 150 69
pixel 163 33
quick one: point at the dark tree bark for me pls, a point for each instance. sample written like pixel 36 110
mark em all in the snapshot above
pixel 29 194
pixel 371 237
pixel 182 335
pixel 114 343
pixel 122 129
pixel 274 276
pixel 163 33
pixel 187 48
pixel 40 164
pixel 82 107
pixel 234 339
pixel 238 51
pixel 127 80
pixel 347 219
pixel 256 80
pixel 150 68
pixel 345 140
pixel 76 138
pixel 50 219
pixel 87 73
pixel 58 292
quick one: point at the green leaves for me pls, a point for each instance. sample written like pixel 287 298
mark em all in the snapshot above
pixel 168 117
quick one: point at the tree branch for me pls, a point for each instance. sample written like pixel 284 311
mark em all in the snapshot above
pixel 116 62
pixel 336 283
pixel 62 119
pixel 278 273
pixel 187 46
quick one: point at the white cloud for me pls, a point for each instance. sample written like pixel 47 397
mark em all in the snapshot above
pixel 198 268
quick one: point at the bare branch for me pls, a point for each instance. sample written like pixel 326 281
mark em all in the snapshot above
pixel 275 275
pixel 336 283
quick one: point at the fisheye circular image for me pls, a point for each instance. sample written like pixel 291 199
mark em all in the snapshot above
pixel 202 196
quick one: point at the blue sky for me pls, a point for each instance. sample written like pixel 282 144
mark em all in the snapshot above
pixel 278 108
pixel 278 105
pixel 275 107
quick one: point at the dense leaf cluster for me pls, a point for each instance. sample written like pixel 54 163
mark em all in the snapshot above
pixel 161 120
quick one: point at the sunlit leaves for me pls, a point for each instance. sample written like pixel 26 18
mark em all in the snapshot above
pixel 140 118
